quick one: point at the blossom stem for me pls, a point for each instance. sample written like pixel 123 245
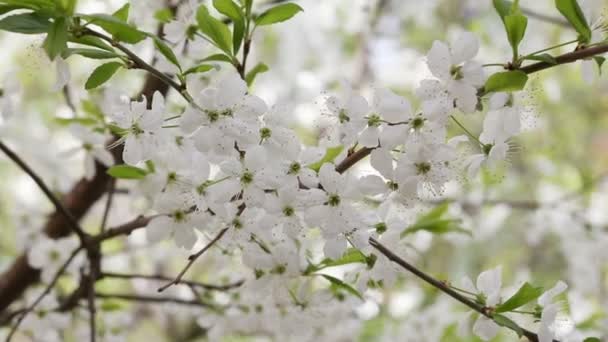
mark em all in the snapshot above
pixel 466 130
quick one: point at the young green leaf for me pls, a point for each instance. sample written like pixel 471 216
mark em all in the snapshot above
pixel 330 154
pixel 592 339
pixel 258 69
pixel 91 41
pixel 571 10
pixel 89 53
pixel 506 322
pixel 57 38
pixel 342 285
pixel 218 57
pixel 599 60
pixel 122 13
pixel 503 8
pixel 229 9
pixel 278 14
pixel 166 51
pixel 27 23
pixel 238 33
pixel 214 29
pixel 163 15
pixel 523 296
pixel 80 121
pixel 506 81
pixel 544 57
pixel 102 74
pixel 120 30
pixel 199 68
pixel 127 172
pixel 515 24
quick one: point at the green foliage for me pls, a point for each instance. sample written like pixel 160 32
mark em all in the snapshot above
pixel 91 41
pixel 27 23
pixel 506 81
pixel 102 74
pixel 523 296
pixel 351 256
pixel 278 14
pixel 57 38
pixel 233 11
pixel 127 172
pixel 258 69
pixel 215 30
pixel 330 155
pixel 436 222
pixel 571 10
pixel 164 15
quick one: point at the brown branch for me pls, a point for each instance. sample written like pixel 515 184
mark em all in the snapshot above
pixel 441 286
pixel 165 278
pixel 192 258
pixel 123 229
pixel 106 210
pixel 353 159
pixel 566 58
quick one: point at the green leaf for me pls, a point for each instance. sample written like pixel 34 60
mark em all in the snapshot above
pixel 545 57
pixel 214 29
pixel 92 109
pixel 278 14
pixel 229 9
pixel 592 339
pixel 515 24
pixel 600 61
pixel 68 6
pixel 166 51
pixel 330 154
pixel 80 121
pixel 164 15
pixel 506 322
pixel 523 296
pixel 102 74
pixel 127 172
pixel 435 223
pixel 238 33
pixel 258 69
pixel 506 81
pixel 199 68
pixel 28 23
pixel 89 53
pixel 122 13
pixel 218 57
pixel 91 41
pixel 120 30
pixel 57 39
pixel 342 285
pixel 503 8
pixel 571 10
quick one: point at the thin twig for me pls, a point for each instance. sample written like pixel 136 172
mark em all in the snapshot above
pixel 150 299
pixel 444 288
pixel 74 225
pixel 192 258
pixel 123 229
pixel 46 291
pixel 106 211
pixel 165 278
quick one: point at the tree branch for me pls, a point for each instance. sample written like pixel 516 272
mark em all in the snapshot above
pixel 441 286
pixel 74 225
pixel 165 278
